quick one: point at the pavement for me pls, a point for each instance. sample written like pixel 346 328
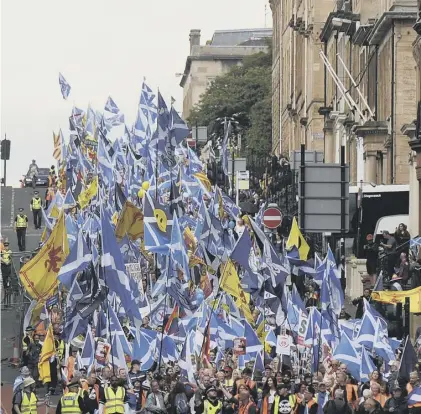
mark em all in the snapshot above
pixel 11 200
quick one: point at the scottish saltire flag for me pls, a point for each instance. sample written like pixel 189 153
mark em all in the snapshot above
pixel 178 252
pixel 178 130
pixel 88 351
pixel 194 165
pixel 114 269
pixel 346 353
pixel 78 260
pixel 158 226
pixel 72 230
pixel 117 330
pixel 105 166
pixel 367 366
pixel 253 341
pixel 187 369
pixel 415 396
pixel 143 347
pixel 258 363
pixel 415 242
pixel 382 345
pixel 64 86
pixel 367 331
pixel 111 106
pixel 158 312
pixel 117 357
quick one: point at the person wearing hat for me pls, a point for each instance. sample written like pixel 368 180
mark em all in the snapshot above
pixel 211 403
pixel 24 373
pixel 6 264
pixel 395 283
pixel 35 206
pixel 113 398
pixel 26 341
pixel 397 403
pixel 71 402
pixel 21 224
pixel 25 401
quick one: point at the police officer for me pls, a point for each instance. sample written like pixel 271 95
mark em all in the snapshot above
pixel 35 206
pixel 71 402
pixel 6 265
pixel 25 401
pixel 21 224
pixel 26 342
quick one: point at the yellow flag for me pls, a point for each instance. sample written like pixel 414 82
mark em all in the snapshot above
pixel 230 283
pixel 86 196
pixel 48 350
pixel 39 275
pixel 130 222
pixel 204 180
pixel 395 297
pixel 296 239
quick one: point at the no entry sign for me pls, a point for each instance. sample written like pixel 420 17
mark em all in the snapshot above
pixel 272 218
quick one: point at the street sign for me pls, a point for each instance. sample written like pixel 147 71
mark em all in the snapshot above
pixel 272 218
pixel 243 178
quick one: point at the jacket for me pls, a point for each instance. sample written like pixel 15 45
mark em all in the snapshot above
pixel 155 403
pixel 337 406
pixel 400 405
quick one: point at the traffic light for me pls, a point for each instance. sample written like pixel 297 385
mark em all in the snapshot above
pixel 5 149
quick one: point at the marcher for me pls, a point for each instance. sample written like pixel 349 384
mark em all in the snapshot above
pixel 21 224
pixel 114 397
pixel 35 206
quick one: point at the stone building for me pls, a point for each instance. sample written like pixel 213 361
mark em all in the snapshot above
pixel 413 131
pixel 205 62
pixel 371 40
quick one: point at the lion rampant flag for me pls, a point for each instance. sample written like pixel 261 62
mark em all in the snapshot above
pixel 48 350
pixel 130 222
pixel 39 275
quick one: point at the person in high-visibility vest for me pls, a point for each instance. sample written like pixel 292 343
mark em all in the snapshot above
pixel 113 398
pixel 21 224
pixel 71 402
pixel 25 401
pixel 211 404
pixel 6 265
pixel 35 206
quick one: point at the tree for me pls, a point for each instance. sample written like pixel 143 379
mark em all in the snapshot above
pixel 245 91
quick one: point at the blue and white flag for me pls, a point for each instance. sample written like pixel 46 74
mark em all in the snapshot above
pixel 64 86
pixel 367 366
pixel 111 106
pixel 414 397
pixel 77 261
pixel 88 351
pixel 345 352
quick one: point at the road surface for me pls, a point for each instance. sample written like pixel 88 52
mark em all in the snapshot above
pixel 11 200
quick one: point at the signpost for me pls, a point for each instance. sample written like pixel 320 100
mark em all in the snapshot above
pixel 242 183
pixel 272 218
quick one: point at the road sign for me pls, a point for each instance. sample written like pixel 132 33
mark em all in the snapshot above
pixel 272 218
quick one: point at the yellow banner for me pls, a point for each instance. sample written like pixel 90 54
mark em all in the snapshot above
pixel 395 297
pixel 86 196
pixel 296 239
pixel 39 275
pixel 47 351
pixel 130 222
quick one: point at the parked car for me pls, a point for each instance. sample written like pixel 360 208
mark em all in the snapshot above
pixel 42 178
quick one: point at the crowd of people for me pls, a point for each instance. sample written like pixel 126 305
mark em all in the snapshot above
pixel 152 292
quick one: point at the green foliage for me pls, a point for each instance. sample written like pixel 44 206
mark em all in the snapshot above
pixel 244 90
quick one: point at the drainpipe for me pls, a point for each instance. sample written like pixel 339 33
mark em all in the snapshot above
pixel 325 101
pixel 305 66
pixel 376 92
pixel 392 121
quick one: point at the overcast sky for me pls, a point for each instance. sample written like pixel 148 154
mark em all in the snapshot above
pixel 102 47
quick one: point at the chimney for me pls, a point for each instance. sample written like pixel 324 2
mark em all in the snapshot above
pixel 194 38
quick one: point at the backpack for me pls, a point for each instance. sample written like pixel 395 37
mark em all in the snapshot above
pixel 181 406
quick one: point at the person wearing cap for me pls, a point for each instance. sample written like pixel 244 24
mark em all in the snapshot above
pixel 21 224
pixel 211 403
pixel 26 341
pixel 25 401
pixel 113 398
pixel 35 206
pixel 71 402
pixel 397 403
pixel 24 373
pixel 6 265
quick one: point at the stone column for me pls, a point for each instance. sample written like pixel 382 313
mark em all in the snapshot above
pixel 374 134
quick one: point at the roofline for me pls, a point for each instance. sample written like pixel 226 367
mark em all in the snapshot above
pixel 243 30
pixel 209 58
